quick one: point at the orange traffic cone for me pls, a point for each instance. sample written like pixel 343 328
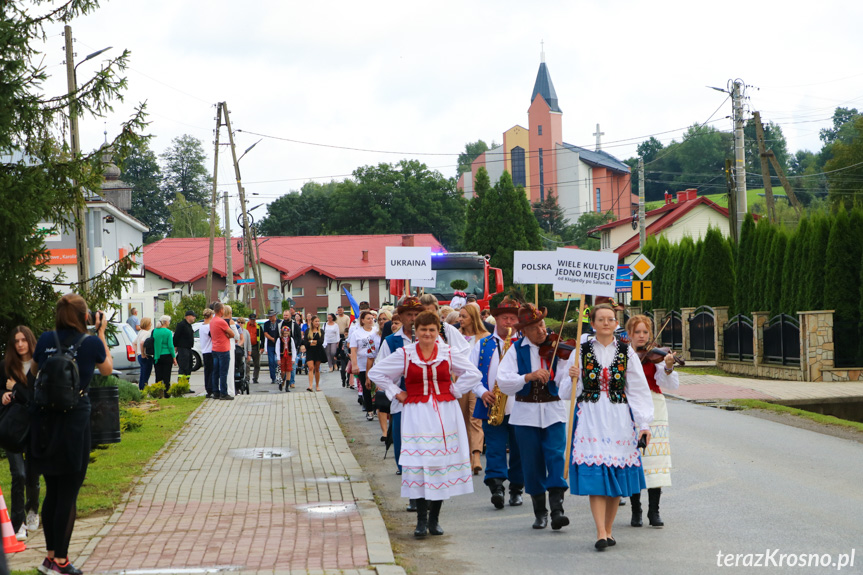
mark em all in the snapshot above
pixel 10 543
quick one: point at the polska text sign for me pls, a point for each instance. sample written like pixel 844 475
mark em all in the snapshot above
pixel 583 271
pixel 533 267
pixel 411 263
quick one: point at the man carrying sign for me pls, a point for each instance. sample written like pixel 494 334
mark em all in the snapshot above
pixel 538 415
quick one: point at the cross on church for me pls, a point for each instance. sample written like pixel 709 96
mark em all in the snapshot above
pixel 542 50
pixel 598 135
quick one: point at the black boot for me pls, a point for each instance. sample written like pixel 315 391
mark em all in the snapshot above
pixel 635 500
pixel 515 498
pixel 412 506
pixel 434 517
pixel 495 485
pixel 422 518
pixel 555 501
pixel 539 511
pixel 653 507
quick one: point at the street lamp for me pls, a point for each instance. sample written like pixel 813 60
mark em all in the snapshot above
pixel 83 255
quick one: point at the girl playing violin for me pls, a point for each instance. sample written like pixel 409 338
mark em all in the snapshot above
pixel 657 457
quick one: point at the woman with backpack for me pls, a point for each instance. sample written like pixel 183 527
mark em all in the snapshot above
pixel 60 427
pixel 18 371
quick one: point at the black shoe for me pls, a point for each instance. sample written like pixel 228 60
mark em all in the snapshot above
pixel 383 438
pixel 254 381
pixel 412 503
pixel 497 492
pixel 287 389
pixel 540 512
pixel 226 397
pixel 68 568
pixel 280 387
pixel 601 544
pixel 653 507
pixel 209 395
pixel 515 495
pixel 635 500
pixel 611 542
pixel 398 471
pixel 555 501
pixel 434 517
pixel 422 528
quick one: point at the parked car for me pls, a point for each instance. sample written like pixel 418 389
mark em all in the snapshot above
pixel 120 344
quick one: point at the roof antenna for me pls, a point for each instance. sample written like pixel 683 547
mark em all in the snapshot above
pixel 106 132
pixel 542 51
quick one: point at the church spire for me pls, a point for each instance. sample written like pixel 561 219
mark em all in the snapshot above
pixel 543 85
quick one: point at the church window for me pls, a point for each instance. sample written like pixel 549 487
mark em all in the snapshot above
pixel 598 201
pixel 539 129
pixel 518 173
pixel 541 178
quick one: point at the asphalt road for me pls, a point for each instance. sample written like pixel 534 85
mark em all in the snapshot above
pixel 742 485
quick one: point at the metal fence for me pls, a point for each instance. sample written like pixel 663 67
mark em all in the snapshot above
pixel 737 339
pixel 782 340
pixel 702 337
pixel 848 343
pixel 672 335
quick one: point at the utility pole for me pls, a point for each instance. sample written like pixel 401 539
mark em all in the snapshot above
pixel 247 238
pixel 214 204
pixel 229 268
pixel 765 168
pixel 642 231
pixel 741 205
pixel 81 251
pixel 732 201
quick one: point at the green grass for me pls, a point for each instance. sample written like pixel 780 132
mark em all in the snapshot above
pixel 752 197
pixel 816 417
pixel 113 467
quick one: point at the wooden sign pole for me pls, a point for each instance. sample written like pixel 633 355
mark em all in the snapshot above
pixel 577 362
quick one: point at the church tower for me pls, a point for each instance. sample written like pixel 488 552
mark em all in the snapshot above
pixel 544 119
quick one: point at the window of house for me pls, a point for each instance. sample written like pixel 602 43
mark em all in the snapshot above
pixel 539 130
pixel 322 313
pixel 348 287
pixel 297 292
pixel 518 174
pixel 606 239
pixel 321 290
pixel 541 178
pixel 598 201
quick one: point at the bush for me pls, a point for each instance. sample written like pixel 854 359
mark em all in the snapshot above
pixel 155 390
pixel 131 419
pixel 179 389
pixel 100 380
pixel 129 392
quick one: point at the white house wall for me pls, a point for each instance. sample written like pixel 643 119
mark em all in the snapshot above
pixel 573 187
pixel 695 224
pixel 494 164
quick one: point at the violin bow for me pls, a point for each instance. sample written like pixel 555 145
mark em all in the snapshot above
pixel 652 341
pixel 572 397
pixel 560 335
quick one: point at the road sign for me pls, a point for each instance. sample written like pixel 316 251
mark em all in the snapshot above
pixel 244 281
pixel 641 267
pixel 642 291
pixel 623 283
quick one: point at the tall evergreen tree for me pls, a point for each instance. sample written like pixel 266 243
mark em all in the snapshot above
pixel 777 260
pixel 672 277
pixel 549 215
pixel 474 208
pixel 799 271
pixel 841 279
pixel 761 265
pixel 715 279
pixel 684 285
pixel 150 203
pixel 743 287
pixel 821 226
pixel 790 272
pixel 184 171
pixel 660 285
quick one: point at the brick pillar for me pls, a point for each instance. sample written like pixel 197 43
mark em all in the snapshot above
pixel 658 320
pixel 685 312
pixel 720 318
pixel 759 319
pixel 635 310
pixel 816 343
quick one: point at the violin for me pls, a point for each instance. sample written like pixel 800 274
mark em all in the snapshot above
pixel 553 347
pixel 657 355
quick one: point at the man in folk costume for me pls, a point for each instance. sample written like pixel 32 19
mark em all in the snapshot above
pixel 538 415
pixel 500 438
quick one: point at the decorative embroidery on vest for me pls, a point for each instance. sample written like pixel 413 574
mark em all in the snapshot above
pixel 596 379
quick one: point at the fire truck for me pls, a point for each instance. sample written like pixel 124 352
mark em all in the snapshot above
pixel 468 266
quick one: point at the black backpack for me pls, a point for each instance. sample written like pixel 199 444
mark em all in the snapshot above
pixel 150 347
pixel 57 385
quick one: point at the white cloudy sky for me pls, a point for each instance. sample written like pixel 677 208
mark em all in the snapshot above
pixel 423 77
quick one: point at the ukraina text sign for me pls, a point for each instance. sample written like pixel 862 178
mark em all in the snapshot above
pixel 584 271
pixel 533 267
pixel 410 263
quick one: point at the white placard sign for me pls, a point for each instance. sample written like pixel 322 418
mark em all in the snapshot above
pixel 427 282
pixel 533 267
pixel 412 263
pixel 585 271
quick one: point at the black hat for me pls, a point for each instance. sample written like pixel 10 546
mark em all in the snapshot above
pixel 271 312
pixel 253 315
pixel 190 312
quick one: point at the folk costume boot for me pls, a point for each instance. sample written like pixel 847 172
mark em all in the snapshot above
pixel 515 495
pixel 653 517
pixel 635 500
pixel 434 517
pixel 422 518
pixel 412 506
pixel 540 511
pixel 495 485
pixel 555 500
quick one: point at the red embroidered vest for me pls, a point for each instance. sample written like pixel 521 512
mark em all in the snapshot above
pixel 423 382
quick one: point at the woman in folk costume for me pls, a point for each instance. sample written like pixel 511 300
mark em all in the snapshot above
pixel 614 410
pixel 286 350
pixel 435 455
pixel 657 456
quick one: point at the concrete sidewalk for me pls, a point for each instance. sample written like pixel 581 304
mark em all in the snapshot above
pixel 698 387
pixel 262 484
